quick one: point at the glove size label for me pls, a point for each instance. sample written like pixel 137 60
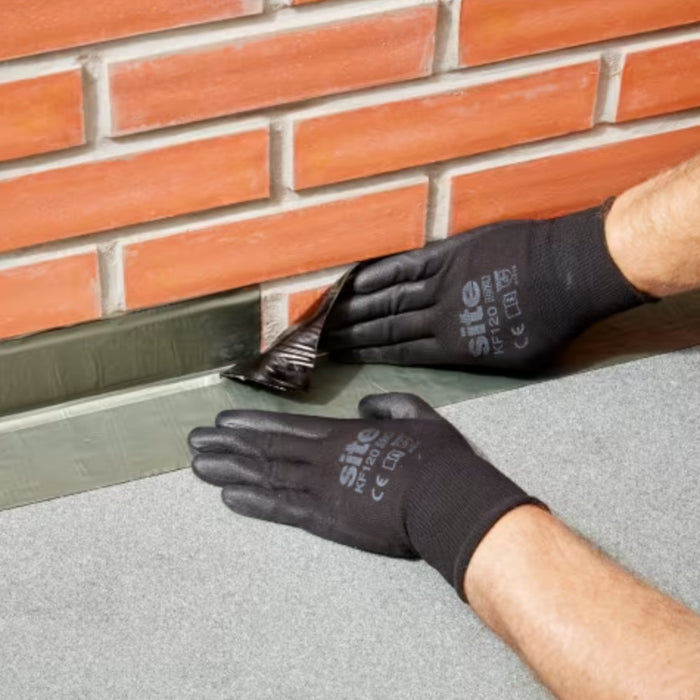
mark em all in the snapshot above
pixel 492 314
pixel 368 462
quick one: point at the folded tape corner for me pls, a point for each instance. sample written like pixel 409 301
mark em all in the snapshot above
pixel 288 364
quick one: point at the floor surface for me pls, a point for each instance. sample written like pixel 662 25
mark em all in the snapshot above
pixel 153 589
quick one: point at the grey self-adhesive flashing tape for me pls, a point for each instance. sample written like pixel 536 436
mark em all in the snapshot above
pixel 96 443
pixel 137 348
pixel 115 438
pixel 651 329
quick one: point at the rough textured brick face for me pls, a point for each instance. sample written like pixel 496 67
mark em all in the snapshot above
pixel 461 122
pixel 272 69
pixel 493 30
pixel 33 26
pixel 54 293
pixel 41 114
pixel 556 185
pixel 90 197
pixel 659 81
pixel 288 243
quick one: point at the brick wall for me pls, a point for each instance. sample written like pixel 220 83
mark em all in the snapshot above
pixel 155 152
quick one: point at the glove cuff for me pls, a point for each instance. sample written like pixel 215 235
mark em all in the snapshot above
pixel 596 286
pixel 446 529
pixel 480 530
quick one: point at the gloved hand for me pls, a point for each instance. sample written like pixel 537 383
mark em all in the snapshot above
pixel 399 481
pixel 506 296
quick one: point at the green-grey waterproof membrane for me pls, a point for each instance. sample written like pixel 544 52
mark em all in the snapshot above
pixel 78 447
pixel 138 348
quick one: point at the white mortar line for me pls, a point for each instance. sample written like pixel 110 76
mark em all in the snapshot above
pixel 444 83
pixel 608 97
pixel 281 161
pixel 112 291
pixel 270 24
pixel 655 40
pixel 447 36
pixel 90 109
pixel 604 135
pixel 104 107
pixel 274 317
pixel 14 259
pixel 40 67
pixel 305 282
pixel 263 209
pixel 440 198
pixel 110 149
pixel 286 175
pixel 275 5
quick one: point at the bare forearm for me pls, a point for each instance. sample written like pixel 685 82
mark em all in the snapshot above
pixel 585 626
pixel 653 231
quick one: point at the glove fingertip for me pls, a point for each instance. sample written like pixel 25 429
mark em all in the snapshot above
pixel 395 405
pixel 365 281
pixel 202 468
pixel 377 405
pixel 196 439
pixel 245 501
pixel 227 419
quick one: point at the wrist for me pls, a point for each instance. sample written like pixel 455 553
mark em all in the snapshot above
pixel 652 232
pixel 501 562
pixel 631 246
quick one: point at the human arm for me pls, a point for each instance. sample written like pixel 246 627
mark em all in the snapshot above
pixel 653 231
pixel 510 296
pixel 588 628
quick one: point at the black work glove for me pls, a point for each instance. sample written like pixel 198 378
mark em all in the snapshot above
pixel 506 296
pixel 399 481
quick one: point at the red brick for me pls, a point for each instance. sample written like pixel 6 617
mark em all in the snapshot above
pixel 660 80
pixel 271 69
pixel 33 26
pixel 493 30
pixel 49 294
pixel 447 125
pixel 102 195
pixel 278 245
pixel 41 114
pixel 559 184
pixel 305 302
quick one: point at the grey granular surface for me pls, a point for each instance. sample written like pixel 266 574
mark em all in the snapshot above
pixel 153 589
